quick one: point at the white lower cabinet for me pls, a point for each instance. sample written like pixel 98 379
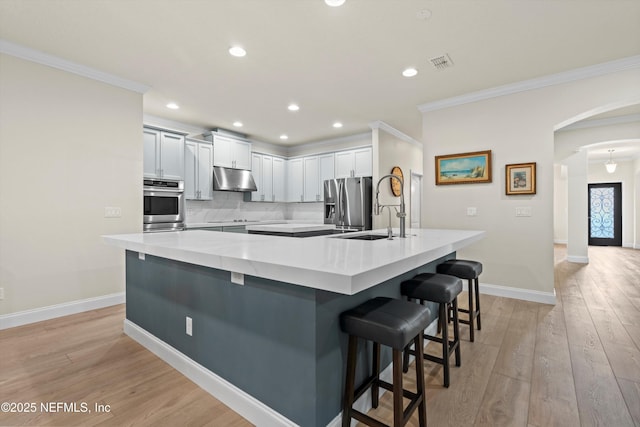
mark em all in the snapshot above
pixel 198 169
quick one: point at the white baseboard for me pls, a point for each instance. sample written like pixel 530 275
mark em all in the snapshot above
pixel 560 242
pixel 58 310
pixel 244 404
pixel 578 259
pixel 516 293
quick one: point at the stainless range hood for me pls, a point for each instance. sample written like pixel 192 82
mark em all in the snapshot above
pixel 227 179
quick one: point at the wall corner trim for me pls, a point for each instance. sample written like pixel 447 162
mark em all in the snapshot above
pixel 590 71
pixel 379 124
pixel 39 57
pixel 59 310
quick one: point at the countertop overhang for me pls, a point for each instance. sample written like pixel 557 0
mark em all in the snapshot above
pixel 331 263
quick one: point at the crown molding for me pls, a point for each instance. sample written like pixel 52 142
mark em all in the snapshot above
pixel 609 121
pixel 379 124
pixel 39 57
pixel 597 70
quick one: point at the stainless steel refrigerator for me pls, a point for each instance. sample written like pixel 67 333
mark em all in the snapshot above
pixel 347 202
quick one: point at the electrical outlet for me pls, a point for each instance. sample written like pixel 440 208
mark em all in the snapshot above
pixel 472 211
pixel 237 278
pixel 189 324
pixel 1 293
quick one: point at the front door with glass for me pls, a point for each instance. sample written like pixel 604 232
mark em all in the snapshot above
pixel 605 214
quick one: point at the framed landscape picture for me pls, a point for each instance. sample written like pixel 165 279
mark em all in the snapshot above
pixel 521 178
pixel 464 168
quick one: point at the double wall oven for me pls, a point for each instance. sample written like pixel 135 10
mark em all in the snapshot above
pixel 163 205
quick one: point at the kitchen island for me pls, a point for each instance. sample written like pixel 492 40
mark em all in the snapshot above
pixel 265 333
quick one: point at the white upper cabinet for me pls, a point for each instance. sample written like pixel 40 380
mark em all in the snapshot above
pixel 231 153
pixel 326 166
pixel 316 170
pixel 311 175
pixel 279 179
pixel 357 162
pixel 269 174
pixel 295 180
pixel 163 154
pixel 198 169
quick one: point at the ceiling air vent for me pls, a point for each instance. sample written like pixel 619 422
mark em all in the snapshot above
pixel 441 62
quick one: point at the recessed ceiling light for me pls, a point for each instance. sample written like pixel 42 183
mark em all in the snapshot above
pixel 173 106
pixel 337 125
pixel 283 136
pixel 237 124
pixel 410 72
pixel 237 51
pixel 334 3
pixel 293 107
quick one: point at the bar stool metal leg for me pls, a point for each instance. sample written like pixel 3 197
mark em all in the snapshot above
pixel 349 389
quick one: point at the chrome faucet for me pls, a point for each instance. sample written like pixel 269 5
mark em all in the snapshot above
pixel 377 207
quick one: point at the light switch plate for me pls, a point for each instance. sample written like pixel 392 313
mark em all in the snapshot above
pixel 523 211
pixel 112 212
pixel 472 211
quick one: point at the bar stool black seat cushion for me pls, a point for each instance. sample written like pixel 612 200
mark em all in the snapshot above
pixel 462 268
pixel 388 321
pixel 441 288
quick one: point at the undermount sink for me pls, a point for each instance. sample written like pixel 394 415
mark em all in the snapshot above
pixel 365 237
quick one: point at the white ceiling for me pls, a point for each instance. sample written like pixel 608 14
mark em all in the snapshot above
pixel 340 63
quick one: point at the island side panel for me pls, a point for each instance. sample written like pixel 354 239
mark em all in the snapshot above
pixel 260 337
pixel 331 344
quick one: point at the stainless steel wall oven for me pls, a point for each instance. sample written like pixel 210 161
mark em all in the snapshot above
pixel 163 205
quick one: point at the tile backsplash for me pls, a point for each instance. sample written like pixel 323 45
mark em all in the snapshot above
pixel 229 206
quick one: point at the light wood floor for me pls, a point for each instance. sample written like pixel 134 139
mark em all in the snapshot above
pixel 573 364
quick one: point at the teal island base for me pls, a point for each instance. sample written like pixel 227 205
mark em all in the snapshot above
pixel 278 344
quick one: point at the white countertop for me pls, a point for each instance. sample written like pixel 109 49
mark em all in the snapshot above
pixel 290 228
pixel 330 263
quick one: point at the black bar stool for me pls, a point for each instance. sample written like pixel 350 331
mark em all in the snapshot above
pixel 444 290
pixel 470 270
pixel 393 323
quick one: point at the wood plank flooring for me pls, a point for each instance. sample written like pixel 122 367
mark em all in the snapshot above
pixel 573 364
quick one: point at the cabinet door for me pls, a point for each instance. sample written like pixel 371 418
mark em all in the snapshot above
pixel 205 171
pixel 242 155
pixel 327 171
pixel 267 178
pixel 363 162
pixel 222 152
pixel 311 174
pixel 190 170
pixel 279 180
pixel 344 164
pixel 295 180
pixel 171 155
pixel 151 148
pixel 256 171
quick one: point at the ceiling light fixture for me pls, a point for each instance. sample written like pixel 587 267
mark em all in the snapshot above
pixel 293 107
pixel 237 51
pixel 410 72
pixel 334 3
pixel 173 106
pixel 610 165
pixel 237 124
pixel 283 136
pixel 337 125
